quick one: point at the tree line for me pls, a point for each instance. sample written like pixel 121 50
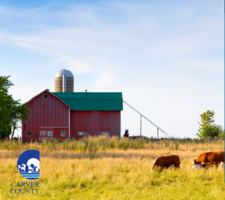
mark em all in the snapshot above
pixel 12 112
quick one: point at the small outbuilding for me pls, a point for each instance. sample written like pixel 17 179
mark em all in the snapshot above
pixel 73 115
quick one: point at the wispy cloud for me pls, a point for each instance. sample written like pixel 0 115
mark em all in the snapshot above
pixel 161 62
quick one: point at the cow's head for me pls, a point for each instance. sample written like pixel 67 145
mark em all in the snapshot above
pixel 157 168
pixel 198 166
pixel 197 162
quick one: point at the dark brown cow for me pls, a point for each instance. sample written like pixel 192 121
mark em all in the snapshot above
pixel 209 159
pixel 166 162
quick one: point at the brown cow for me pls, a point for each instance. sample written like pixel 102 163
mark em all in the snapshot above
pixel 209 159
pixel 166 162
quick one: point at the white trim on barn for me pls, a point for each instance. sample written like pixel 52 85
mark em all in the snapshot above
pixel 46 90
pixel 69 122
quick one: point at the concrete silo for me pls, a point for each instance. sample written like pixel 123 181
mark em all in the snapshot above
pixel 64 81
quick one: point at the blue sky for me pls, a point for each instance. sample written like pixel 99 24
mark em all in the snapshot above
pixel 165 56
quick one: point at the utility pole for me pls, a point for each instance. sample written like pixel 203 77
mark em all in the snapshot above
pixel 140 125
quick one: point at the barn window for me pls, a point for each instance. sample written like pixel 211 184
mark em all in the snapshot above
pixel 83 133
pixel 49 133
pixel 45 95
pixel 104 133
pixel 63 133
pixel 42 133
pixel 29 133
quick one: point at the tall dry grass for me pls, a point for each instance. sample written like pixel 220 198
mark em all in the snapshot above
pixel 102 143
pixel 112 171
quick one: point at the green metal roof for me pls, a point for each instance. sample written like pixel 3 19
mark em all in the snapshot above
pixel 92 100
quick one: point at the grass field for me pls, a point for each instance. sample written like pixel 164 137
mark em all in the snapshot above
pixel 120 171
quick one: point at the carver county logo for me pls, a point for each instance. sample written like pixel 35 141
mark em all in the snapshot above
pixel 28 164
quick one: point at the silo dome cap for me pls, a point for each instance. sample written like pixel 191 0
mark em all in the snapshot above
pixel 62 72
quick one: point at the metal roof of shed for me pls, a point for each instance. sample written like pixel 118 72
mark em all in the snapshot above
pixel 81 101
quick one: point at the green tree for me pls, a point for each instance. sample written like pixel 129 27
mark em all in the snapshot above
pixel 5 101
pixel 11 111
pixel 19 114
pixel 222 135
pixel 208 129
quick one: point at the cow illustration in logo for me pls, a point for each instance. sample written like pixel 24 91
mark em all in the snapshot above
pixel 28 164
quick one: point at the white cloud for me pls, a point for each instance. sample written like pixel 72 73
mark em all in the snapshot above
pixel 150 58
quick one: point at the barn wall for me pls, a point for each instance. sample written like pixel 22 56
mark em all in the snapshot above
pixel 45 112
pixel 94 122
pixel 110 122
pixel 57 132
pixel 80 121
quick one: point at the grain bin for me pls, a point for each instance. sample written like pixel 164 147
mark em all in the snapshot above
pixel 64 81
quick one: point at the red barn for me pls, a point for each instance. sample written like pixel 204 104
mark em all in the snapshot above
pixel 73 115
